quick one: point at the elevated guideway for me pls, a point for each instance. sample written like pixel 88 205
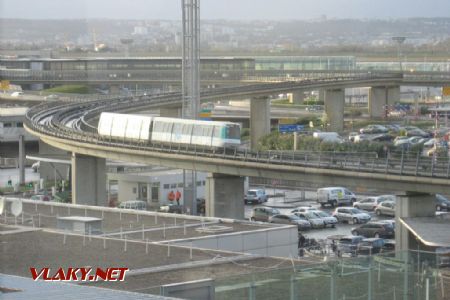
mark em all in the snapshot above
pixel 71 127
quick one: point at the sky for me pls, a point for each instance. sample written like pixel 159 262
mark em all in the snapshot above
pixel 225 9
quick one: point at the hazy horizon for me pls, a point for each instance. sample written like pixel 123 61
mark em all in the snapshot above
pixel 230 10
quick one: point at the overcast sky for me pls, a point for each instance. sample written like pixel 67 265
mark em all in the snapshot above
pixel 223 9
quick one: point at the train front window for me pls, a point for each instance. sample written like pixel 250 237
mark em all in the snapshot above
pixel 233 132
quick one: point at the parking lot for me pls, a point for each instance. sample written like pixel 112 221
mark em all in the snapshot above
pixel 292 199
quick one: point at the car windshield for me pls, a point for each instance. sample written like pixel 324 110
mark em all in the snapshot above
pixel 321 214
pixel 310 215
pixel 251 193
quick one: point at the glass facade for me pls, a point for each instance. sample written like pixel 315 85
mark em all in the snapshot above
pixel 305 63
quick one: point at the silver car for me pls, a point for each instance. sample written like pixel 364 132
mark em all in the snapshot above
pixel 386 208
pixel 312 218
pixel 351 215
pixel 371 203
pixel 301 223
pixel 327 219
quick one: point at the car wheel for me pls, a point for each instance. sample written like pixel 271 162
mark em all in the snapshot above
pixel 252 219
pixel 376 235
pixel 334 204
pixel 355 221
pixel 353 200
pixel 354 232
pixel 356 206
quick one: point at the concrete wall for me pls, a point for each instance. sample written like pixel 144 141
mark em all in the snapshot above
pixel 280 242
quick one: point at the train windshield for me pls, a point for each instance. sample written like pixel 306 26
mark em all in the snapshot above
pixel 233 132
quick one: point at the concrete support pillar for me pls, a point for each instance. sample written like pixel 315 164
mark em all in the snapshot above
pixel 334 109
pixel 259 119
pixel 48 170
pixel 170 112
pixel 21 159
pixel 224 196
pixel 382 98
pixel 297 97
pixel 407 206
pixel 88 180
pixel 322 95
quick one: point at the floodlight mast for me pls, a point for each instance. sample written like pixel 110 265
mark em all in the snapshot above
pixel 399 40
pixel 191 58
pixel 190 85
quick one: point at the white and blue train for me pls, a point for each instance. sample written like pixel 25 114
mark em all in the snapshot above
pixel 168 130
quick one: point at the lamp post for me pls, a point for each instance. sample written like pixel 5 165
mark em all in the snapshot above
pixel 399 40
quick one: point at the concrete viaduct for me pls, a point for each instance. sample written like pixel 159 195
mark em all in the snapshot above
pixel 416 180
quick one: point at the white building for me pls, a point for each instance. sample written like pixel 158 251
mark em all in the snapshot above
pixel 152 187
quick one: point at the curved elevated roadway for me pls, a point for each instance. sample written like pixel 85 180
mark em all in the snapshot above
pixel 72 127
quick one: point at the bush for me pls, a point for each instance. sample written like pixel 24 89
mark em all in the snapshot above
pixel 424 110
pixel 245 133
pixel 71 89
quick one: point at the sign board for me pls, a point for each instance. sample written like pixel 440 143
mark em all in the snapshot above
pixel 4 84
pixel 290 128
pixel 446 91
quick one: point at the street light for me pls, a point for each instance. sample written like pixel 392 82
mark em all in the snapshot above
pixel 399 40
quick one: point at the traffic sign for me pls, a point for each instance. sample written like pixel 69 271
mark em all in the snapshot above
pixel 290 128
pixel 446 91
pixel 4 84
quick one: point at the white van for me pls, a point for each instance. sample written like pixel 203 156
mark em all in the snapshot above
pixel 335 196
pixel 329 137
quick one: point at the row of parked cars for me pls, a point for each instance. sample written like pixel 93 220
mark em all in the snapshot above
pixel 303 217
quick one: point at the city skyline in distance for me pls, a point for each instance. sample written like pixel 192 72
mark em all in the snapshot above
pixel 230 9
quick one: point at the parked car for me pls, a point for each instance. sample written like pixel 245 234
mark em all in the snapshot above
pixel 442 203
pixel 389 245
pixel 335 196
pixel 370 246
pixel 371 129
pixel 263 213
pixel 133 204
pixel 370 203
pixel 348 245
pixel 257 196
pixel 16 94
pixel 303 209
pixel 386 208
pixel 375 229
pixel 312 218
pixel 301 223
pixel 415 131
pixel 171 208
pixel 39 197
pixel 351 215
pixel 328 219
